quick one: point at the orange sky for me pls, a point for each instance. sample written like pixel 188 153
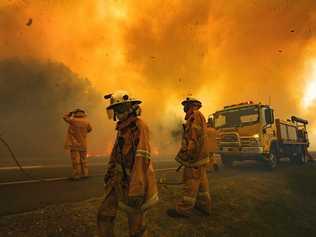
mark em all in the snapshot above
pixel 220 52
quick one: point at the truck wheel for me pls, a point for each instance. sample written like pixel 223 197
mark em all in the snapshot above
pixel 272 161
pixel 292 159
pixel 301 158
pixel 227 161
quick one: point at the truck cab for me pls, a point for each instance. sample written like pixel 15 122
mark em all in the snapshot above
pixel 245 131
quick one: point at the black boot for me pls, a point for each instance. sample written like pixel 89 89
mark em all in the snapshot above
pixel 202 210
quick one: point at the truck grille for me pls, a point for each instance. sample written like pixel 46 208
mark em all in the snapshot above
pixel 229 138
pixel 248 142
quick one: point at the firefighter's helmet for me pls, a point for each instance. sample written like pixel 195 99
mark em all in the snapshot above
pixel 119 98
pixel 193 101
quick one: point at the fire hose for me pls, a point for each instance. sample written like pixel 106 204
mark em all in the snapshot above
pixel 26 174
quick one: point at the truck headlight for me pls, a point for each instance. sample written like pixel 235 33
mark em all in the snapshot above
pixel 256 136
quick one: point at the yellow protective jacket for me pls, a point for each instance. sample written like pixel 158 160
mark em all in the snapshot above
pixel 76 138
pixel 133 156
pixel 194 151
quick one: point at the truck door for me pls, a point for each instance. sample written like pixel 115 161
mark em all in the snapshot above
pixel 268 131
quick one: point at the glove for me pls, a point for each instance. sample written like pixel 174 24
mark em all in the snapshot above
pixel 185 156
pixel 135 202
pixel 181 156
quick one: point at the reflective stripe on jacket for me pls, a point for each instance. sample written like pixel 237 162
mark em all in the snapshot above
pixel 138 165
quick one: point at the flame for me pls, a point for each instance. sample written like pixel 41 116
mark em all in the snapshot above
pixel 310 92
pixel 96 155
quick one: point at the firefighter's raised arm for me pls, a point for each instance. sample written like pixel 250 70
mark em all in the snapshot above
pixel 67 117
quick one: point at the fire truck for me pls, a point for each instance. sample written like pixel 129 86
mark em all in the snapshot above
pixel 249 131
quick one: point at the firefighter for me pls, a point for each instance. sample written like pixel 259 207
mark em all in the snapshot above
pixel 130 183
pixel 212 145
pixel 310 158
pixel 193 155
pixel 76 141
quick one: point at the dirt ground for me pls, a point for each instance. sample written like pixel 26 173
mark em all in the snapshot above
pixel 247 201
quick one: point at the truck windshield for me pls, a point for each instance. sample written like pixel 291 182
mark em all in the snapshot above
pixel 236 117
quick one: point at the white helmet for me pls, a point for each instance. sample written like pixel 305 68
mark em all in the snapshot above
pixel 191 99
pixel 118 98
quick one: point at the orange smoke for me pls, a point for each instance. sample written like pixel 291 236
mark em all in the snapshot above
pixel 155 151
pixel 162 50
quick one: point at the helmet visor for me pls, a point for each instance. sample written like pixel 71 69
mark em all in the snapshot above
pixel 110 113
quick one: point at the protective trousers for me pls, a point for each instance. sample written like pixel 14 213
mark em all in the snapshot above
pixel 79 163
pixel 106 217
pixel 195 191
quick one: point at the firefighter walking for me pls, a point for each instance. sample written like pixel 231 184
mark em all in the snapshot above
pixel 193 155
pixel 76 142
pixel 130 183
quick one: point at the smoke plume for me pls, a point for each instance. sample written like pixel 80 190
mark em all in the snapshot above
pixel 35 95
pixel 161 51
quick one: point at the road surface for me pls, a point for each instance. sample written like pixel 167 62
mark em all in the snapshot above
pixel 20 194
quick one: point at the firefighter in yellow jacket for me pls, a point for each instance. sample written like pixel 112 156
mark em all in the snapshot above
pixel 130 183
pixel 193 155
pixel 76 141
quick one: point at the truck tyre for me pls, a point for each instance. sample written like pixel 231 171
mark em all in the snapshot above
pixel 301 157
pixel 227 161
pixel 292 159
pixel 272 161
pixel 298 158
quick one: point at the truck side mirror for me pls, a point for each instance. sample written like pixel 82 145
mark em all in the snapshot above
pixel 268 113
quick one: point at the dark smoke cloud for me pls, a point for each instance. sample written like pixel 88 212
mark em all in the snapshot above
pixel 34 95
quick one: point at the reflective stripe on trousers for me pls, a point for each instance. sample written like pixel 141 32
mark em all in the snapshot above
pixel 195 190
